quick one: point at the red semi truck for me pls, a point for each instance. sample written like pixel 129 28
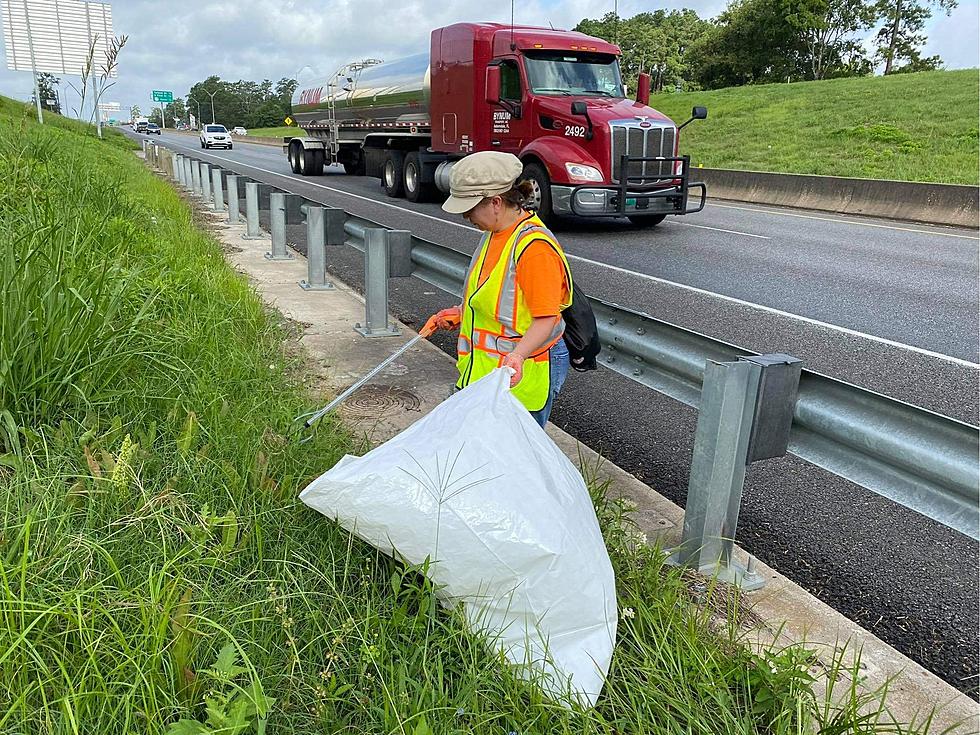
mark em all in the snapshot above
pixel 553 98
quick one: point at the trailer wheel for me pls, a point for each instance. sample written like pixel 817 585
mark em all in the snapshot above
pixel 540 200
pixel 393 174
pixel 308 160
pixel 318 160
pixel 415 189
pixel 650 221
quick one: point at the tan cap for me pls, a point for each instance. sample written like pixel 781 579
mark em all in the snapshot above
pixel 480 175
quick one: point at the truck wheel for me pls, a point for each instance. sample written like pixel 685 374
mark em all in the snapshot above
pixel 393 174
pixel 319 158
pixel 649 221
pixel 415 189
pixel 294 158
pixel 540 200
pixel 308 162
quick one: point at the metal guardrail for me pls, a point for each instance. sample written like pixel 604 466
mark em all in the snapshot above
pixel 924 461
pixel 920 459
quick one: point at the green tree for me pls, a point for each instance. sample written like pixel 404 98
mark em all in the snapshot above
pixel 654 42
pixel 827 28
pixel 902 36
pixel 246 103
pixel 751 42
pixel 47 85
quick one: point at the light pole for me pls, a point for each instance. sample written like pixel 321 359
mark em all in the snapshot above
pixel 212 102
pixel 192 99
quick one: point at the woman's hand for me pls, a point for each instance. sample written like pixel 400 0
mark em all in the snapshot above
pixel 447 319
pixel 515 361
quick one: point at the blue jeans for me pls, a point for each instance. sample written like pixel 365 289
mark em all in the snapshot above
pixel 558 355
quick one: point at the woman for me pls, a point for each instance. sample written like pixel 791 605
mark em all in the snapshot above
pixel 516 288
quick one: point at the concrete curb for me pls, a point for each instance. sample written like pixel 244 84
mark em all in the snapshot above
pixel 938 204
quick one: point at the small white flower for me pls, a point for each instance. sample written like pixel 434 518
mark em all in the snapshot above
pixel 627 612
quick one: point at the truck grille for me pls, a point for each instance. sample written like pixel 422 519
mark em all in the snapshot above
pixel 629 138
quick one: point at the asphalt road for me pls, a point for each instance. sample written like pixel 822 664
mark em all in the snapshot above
pixel 890 306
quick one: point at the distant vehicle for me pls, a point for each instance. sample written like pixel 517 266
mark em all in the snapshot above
pixel 215 136
pixel 239 130
pixel 140 123
pixel 152 129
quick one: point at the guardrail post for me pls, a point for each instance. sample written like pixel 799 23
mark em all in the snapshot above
pixel 156 156
pixel 217 190
pixel 316 252
pixel 376 285
pixel 196 178
pixel 206 182
pixel 745 415
pixel 252 231
pixel 188 175
pixel 233 212
pixel 277 227
pixel 179 169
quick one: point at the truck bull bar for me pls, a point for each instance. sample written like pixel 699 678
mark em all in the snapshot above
pixel 620 200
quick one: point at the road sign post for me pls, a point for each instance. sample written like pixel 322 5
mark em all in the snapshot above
pixel 164 97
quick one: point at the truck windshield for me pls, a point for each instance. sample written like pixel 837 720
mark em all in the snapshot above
pixel 569 73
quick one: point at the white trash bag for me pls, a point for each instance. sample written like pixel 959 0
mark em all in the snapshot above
pixel 506 520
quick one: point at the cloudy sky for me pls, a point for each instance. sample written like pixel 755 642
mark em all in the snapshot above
pixel 174 43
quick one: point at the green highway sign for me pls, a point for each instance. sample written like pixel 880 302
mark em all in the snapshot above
pixel 161 96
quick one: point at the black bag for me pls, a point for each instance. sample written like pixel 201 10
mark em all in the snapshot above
pixel 581 333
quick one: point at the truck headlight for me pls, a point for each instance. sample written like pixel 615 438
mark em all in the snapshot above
pixel 582 172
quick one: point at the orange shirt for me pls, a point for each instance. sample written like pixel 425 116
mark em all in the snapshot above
pixel 540 273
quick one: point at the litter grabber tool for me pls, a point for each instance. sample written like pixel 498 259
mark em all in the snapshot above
pixel 305 421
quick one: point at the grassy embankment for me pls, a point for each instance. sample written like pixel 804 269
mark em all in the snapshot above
pixel 910 127
pixel 274 132
pixel 156 567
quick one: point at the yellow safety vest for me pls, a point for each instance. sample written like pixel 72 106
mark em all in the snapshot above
pixel 495 317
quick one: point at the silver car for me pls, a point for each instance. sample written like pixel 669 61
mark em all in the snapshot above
pixel 215 136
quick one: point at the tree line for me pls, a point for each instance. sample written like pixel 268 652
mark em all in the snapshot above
pixel 763 41
pixel 250 104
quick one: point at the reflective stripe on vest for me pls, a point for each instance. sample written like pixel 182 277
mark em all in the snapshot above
pixel 495 317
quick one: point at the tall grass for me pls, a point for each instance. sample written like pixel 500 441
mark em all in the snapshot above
pixel 157 573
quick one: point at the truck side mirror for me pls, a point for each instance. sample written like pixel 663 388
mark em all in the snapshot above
pixel 643 89
pixel 493 85
pixel 698 113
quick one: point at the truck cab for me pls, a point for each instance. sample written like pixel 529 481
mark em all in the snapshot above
pixel 556 100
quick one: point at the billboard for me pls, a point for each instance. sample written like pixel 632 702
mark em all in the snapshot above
pixel 54 35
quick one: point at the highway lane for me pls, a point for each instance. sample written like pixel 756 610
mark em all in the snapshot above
pixel 907 579
pixel 873 276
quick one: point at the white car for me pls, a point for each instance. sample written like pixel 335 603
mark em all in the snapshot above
pixel 239 131
pixel 215 136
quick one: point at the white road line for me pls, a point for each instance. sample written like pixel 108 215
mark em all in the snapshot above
pixel 718 229
pixel 843 221
pixel 663 281
pixel 779 312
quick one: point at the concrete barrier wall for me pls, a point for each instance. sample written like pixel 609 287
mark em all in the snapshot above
pixel 941 204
